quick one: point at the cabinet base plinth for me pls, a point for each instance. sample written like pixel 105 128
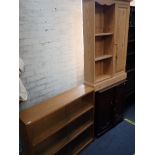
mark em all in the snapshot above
pixel 108 83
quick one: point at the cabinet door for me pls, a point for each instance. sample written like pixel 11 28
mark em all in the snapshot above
pixel 103 111
pixel 119 101
pixel 121 31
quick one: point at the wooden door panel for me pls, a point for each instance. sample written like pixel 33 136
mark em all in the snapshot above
pixel 121 36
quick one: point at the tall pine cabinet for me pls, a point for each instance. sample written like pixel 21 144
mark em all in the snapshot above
pixel 105 29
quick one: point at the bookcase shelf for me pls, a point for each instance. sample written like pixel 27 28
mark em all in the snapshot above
pixel 51 131
pixel 80 142
pixel 102 77
pixel 74 130
pixel 104 16
pixel 103 69
pixel 103 57
pixel 103 46
pixel 103 34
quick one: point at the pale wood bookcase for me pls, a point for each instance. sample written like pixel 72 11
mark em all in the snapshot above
pixel 63 125
pixel 105 29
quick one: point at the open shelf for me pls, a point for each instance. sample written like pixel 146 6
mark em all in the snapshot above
pixel 56 123
pixel 104 18
pixel 102 77
pixel 103 57
pixel 103 69
pixel 52 144
pixel 104 28
pixel 80 130
pixel 77 133
pixel 52 130
pixel 103 46
pixel 60 140
pixel 81 141
pixel 76 128
pixel 80 106
pixel 78 144
pixel 48 127
pixel 83 145
pixel 80 124
pixel 81 113
pixel 103 34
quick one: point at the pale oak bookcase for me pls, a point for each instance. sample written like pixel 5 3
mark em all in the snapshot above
pixel 63 125
pixel 105 29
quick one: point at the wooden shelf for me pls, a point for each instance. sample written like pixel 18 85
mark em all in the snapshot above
pixel 103 34
pixel 30 116
pixel 103 57
pixel 55 148
pixel 81 113
pixel 80 130
pixel 46 135
pixel 102 77
pixel 73 136
pixel 83 145
pixel 52 131
pixel 81 141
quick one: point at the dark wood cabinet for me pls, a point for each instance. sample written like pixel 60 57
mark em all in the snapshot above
pixel 109 108
pixel 118 103
pixel 130 64
pixel 103 111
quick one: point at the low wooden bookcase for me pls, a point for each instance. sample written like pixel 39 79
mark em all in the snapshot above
pixel 61 125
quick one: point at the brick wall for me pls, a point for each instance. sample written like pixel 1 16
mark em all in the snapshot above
pixel 51 46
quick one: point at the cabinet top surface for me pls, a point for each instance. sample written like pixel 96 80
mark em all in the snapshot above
pixel 43 109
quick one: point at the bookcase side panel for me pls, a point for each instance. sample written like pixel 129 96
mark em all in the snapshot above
pixel 89 40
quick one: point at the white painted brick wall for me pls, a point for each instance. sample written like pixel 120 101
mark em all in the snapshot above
pixel 51 46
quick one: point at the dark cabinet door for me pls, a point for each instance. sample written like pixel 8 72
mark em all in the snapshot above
pixel 118 103
pixel 103 111
pixel 109 108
